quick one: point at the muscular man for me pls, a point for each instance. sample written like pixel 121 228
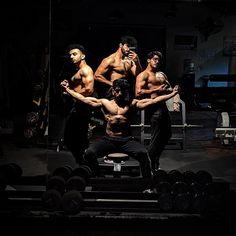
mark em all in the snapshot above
pixel 153 83
pixel 116 113
pixel 77 122
pixel 123 63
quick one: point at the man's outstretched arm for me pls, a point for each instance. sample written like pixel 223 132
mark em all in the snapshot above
pixel 144 103
pixel 92 101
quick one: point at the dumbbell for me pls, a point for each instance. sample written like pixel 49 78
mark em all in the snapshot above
pixel 181 196
pixel 216 197
pixel 189 177
pixel 211 191
pixel 55 188
pixel 160 176
pixel 204 177
pixel 175 176
pixel 72 201
pixel 205 194
pixel 63 171
pixel 165 201
pixel 8 174
pixel 198 183
pixel 198 197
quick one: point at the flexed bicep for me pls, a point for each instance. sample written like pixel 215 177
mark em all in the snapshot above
pixel 88 82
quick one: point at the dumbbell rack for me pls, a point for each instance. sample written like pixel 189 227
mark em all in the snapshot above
pixel 98 193
pixel 114 203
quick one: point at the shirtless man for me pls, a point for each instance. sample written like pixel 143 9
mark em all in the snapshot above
pixel 123 63
pixel 77 121
pixel 153 83
pixel 117 112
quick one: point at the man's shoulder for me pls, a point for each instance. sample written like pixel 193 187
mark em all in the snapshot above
pixel 144 74
pixel 161 73
pixel 105 100
pixel 87 68
pixel 110 57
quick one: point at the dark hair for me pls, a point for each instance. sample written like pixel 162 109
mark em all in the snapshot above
pixel 151 54
pixel 123 84
pixel 130 40
pixel 76 46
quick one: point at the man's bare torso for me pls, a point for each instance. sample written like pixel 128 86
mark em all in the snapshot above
pixel 116 117
pixel 155 80
pixel 119 68
pixel 77 81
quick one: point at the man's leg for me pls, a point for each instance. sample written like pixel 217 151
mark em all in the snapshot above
pixel 97 150
pixel 139 152
pixel 161 133
pixel 76 136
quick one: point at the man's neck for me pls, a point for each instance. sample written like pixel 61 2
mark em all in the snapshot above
pixel 120 54
pixel 80 64
pixel 152 69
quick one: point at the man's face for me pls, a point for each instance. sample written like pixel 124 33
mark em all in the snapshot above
pixel 121 95
pixel 76 55
pixel 154 61
pixel 126 48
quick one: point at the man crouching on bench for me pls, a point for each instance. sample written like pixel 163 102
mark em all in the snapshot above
pixel 118 128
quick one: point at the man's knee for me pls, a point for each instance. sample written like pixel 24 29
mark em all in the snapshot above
pixel 89 154
pixel 90 158
pixel 141 155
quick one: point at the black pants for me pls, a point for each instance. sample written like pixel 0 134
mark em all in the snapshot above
pixel 76 131
pixel 126 145
pixel 160 133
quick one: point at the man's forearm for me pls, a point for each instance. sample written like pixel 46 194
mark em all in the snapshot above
pixel 102 79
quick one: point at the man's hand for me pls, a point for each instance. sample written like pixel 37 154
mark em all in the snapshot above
pixel 177 87
pixel 133 56
pixel 162 89
pixel 65 83
pixel 176 100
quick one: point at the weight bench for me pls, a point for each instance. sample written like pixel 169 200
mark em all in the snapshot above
pixel 118 164
pixel 117 159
